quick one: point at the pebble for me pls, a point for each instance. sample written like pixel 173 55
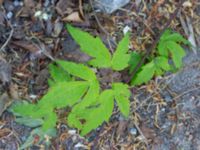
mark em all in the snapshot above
pixel 168 98
pixel 9 15
pixel 133 131
pixel 163 109
pixel 72 132
pixel 17 3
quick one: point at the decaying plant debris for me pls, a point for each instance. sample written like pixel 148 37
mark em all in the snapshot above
pixel 164 113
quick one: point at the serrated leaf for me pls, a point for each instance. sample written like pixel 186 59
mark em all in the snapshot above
pixel 122 95
pixel 22 109
pixel 134 60
pixel 64 94
pixel 100 114
pixel 92 46
pixel 30 122
pixel 146 73
pixel 168 35
pixel 57 75
pixel 162 62
pixel 78 70
pixel 177 53
pixel 89 99
pixel 121 58
pixel 176 37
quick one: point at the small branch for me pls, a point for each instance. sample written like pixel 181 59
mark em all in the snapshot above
pixel 141 133
pixel 97 20
pixel 154 44
pixel 8 40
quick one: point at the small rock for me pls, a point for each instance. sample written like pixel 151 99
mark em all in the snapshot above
pixel 17 3
pixel 72 132
pixel 168 98
pixel 9 15
pixel 79 145
pixel 133 131
pixel 109 6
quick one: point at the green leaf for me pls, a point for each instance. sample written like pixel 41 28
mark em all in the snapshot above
pixel 22 109
pixel 134 60
pixel 122 95
pixel 78 70
pixel 169 36
pixel 100 114
pixel 89 99
pixel 91 96
pixel 177 53
pixel 92 46
pixel 176 37
pixel 57 75
pixel 162 48
pixel 50 121
pixel 30 122
pixel 64 94
pixel 120 58
pixel 146 73
pixel 162 62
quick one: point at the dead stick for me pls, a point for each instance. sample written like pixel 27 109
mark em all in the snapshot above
pixel 154 44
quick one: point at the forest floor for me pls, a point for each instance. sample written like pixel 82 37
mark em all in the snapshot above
pixel 165 113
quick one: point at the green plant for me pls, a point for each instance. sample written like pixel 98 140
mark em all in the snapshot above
pixel 168 47
pixel 77 87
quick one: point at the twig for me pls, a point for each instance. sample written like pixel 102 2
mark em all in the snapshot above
pixel 140 131
pixel 153 46
pixel 186 92
pixel 97 20
pixel 8 39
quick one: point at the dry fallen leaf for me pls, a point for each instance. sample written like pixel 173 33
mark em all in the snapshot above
pixel 73 17
pixel 122 127
pixel 26 46
pixel 4 132
pixel 148 133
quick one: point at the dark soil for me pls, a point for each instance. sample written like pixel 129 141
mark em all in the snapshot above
pixel 164 113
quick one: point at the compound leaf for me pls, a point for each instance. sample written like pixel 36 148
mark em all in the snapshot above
pixel 120 59
pixel 89 99
pixel 97 116
pixel 92 46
